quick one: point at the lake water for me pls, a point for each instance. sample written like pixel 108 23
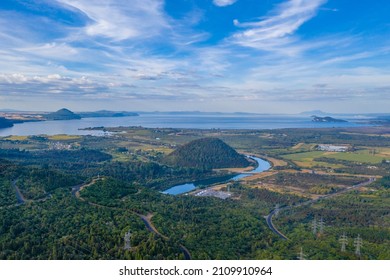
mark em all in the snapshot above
pixel 165 120
pixel 262 165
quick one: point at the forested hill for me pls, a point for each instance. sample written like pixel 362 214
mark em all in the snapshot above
pixel 63 114
pixel 206 153
pixel 5 123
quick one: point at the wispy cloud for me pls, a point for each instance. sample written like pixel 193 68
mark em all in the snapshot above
pixel 276 29
pixel 223 3
pixel 121 19
pixel 128 52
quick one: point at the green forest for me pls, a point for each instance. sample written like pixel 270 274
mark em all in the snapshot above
pixel 79 199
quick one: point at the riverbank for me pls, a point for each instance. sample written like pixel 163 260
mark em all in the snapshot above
pixel 262 165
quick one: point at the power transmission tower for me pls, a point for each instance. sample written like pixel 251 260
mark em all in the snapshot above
pixel 301 255
pixel 127 240
pixel 358 242
pixel 344 241
pixel 314 226
pixel 321 224
pixel 277 209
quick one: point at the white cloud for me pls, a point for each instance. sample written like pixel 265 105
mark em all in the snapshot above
pixel 276 29
pixel 51 50
pixel 132 50
pixel 121 19
pixel 223 3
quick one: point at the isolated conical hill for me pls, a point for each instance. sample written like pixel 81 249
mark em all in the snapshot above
pixel 62 114
pixel 206 153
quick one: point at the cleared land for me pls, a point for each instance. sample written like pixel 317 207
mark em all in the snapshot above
pixel 307 159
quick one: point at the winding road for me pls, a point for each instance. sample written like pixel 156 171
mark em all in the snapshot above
pixel 146 219
pixel 275 211
pixel 271 225
pixel 19 196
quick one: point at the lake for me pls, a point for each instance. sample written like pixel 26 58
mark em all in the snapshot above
pixel 262 165
pixel 170 120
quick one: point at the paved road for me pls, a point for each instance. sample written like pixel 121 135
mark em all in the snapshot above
pixel 148 223
pixel 275 211
pixel 19 196
pixel 271 225
pixel 146 219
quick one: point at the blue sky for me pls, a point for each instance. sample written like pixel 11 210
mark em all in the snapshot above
pixel 263 56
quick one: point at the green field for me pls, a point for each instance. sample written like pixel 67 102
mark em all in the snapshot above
pixel 361 157
pixel 306 160
pixel 357 157
pixel 63 137
pixel 308 156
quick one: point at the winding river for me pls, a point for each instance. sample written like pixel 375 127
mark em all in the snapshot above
pixel 262 165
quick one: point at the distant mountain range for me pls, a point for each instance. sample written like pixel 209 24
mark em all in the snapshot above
pixel 314 112
pixel 106 114
pixel 9 110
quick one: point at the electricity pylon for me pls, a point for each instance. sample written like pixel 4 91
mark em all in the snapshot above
pixel 301 255
pixel 344 241
pixel 358 242
pixel 314 226
pixel 127 240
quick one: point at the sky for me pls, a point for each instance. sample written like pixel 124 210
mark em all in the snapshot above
pixel 260 56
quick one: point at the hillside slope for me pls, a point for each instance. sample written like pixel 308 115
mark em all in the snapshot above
pixel 206 153
pixel 5 123
pixel 62 114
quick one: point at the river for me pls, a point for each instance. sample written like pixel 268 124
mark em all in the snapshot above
pixel 262 165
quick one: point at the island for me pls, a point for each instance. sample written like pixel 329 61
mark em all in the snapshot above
pixel 62 114
pixel 4 123
pixel 107 114
pixel 10 117
pixel 326 119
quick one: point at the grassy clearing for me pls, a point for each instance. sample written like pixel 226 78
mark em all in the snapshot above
pixel 318 164
pixel 366 134
pixel 63 137
pixel 275 162
pixel 120 157
pixel 306 159
pixel 304 147
pixel 16 138
pixel 308 156
pixel 357 157
pixel 381 152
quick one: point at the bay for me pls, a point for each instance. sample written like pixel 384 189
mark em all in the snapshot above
pixel 170 120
